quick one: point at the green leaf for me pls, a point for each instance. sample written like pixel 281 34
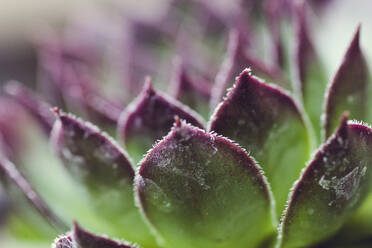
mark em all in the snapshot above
pixel 103 168
pixel 331 188
pixel 359 227
pixel 266 121
pixel 201 190
pixel 149 118
pixel 348 89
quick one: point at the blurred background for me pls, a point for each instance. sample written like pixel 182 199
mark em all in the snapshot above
pixel 23 22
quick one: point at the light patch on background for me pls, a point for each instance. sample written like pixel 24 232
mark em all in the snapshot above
pixel 19 19
pixel 335 31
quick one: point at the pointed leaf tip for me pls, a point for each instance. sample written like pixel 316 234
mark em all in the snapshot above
pixel 198 189
pixel 265 120
pixel 149 118
pixel 348 88
pixel 331 188
pixel 84 239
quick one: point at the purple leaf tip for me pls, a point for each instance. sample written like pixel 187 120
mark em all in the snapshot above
pixel 80 238
pixel 264 120
pixel 149 118
pixel 84 239
pixel 348 88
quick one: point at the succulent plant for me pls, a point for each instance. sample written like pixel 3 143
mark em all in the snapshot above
pixel 277 165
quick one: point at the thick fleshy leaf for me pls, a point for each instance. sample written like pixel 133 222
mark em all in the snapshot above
pixel 311 80
pixel 355 235
pixel 359 227
pixel 149 118
pixel 195 94
pixel 98 163
pixel 266 121
pixel 33 103
pixel 237 60
pixel 331 188
pixel 199 189
pixel 348 89
pixel 46 174
pixel 84 239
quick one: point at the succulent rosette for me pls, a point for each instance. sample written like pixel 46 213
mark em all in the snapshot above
pixel 283 161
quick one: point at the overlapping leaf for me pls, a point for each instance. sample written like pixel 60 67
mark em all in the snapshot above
pixel 97 162
pixel 331 188
pixel 200 190
pixel 266 121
